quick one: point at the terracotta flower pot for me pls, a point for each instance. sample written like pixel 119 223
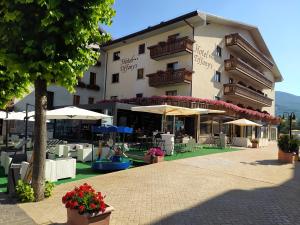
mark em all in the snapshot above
pixel 287 157
pixel 74 218
pixel 156 159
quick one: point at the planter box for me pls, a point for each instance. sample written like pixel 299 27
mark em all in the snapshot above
pixel 287 157
pixel 74 218
pixel 255 145
pixel 148 159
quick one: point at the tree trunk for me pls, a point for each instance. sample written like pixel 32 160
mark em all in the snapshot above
pixel 40 136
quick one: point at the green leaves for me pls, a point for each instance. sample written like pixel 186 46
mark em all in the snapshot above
pixel 49 39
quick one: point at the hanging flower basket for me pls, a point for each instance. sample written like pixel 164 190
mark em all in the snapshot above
pixel 86 206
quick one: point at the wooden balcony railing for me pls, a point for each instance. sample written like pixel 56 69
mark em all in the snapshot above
pixel 236 90
pixel 164 78
pixel 236 39
pixel 238 65
pixel 171 47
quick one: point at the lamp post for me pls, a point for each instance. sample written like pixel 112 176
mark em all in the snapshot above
pixel 291 116
pixel 26 124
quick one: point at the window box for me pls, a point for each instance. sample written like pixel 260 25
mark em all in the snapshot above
pixel 93 87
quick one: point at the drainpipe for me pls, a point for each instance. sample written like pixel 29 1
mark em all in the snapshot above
pixel 105 77
pixel 193 34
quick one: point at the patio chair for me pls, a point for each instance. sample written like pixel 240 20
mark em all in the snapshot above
pixel 18 147
pixel 14 170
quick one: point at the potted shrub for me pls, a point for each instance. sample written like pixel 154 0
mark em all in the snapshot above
pixel 154 155
pixel 255 143
pixel 86 206
pixel 288 149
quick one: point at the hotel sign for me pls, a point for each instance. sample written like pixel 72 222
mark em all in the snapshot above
pixel 129 64
pixel 202 57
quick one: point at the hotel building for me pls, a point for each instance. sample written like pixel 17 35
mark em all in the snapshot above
pixel 201 56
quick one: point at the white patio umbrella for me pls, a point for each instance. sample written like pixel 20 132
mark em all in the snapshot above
pixel 166 110
pixel 74 113
pixel 243 122
pixel 208 111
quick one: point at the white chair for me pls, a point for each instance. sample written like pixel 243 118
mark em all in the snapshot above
pixel 85 154
pixel 59 150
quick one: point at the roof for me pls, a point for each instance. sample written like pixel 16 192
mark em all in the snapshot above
pixel 191 18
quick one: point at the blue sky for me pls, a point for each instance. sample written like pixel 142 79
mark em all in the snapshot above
pixel 277 20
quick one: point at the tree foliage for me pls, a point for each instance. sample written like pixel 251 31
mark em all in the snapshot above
pixel 48 39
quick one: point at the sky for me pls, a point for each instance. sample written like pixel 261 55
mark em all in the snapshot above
pixel 278 21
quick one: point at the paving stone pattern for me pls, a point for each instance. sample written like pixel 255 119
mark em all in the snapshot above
pixel 245 187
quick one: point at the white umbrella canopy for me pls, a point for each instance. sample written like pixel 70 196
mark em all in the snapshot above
pixel 167 110
pixel 208 111
pixel 74 113
pixel 2 114
pixel 243 122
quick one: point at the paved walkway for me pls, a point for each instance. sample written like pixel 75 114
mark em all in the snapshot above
pixel 244 188
pixel 10 213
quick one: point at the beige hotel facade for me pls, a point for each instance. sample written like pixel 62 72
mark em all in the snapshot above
pixel 197 55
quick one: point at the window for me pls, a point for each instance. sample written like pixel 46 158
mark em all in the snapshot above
pixel 142 49
pixel 50 99
pixel 217 77
pixel 114 97
pixel 219 51
pixel 140 73
pixel 91 100
pixel 116 56
pixel 115 78
pixel 139 95
pixel 217 98
pixel 230 80
pixel 76 100
pixel 92 78
pixel 172 66
pixel 171 93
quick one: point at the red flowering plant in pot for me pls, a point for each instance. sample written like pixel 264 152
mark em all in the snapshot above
pixel 86 206
pixel 154 155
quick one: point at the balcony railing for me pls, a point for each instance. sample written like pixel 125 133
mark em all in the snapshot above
pixel 238 65
pixel 169 77
pixel 171 48
pixel 236 39
pixel 239 91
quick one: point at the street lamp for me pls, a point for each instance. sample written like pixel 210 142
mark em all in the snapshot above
pixel 26 124
pixel 291 116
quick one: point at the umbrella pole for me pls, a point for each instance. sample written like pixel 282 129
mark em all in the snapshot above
pixel 92 145
pixel 6 133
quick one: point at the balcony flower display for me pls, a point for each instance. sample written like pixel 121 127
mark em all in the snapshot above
pixel 211 104
pixel 154 155
pixel 85 206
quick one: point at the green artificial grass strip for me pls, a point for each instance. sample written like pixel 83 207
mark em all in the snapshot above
pixel 83 171
pixel 198 152
pixel 3 180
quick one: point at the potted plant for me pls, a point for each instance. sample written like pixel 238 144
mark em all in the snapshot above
pixel 288 149
pixel 255 143
pixel 86 206
pixel 154 155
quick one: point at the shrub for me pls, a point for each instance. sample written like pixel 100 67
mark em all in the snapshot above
pixel 24 192
pixel 48 189
pixel 288 145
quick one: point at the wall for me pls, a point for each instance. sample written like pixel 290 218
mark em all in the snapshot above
pixel 206 63
pixel 129 85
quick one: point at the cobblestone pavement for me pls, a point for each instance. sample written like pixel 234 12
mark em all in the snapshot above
pixel 10 213
pixel 236 188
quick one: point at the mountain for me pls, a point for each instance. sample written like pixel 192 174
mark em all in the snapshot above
pixel 285 102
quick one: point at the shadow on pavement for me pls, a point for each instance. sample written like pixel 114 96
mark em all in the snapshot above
pixel 277 205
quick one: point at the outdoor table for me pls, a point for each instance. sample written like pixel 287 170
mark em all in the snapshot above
pixel 144 142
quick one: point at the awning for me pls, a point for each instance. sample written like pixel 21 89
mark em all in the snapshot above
pixel 243 122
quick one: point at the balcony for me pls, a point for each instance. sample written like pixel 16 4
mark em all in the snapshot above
pixel 242 93
pixel 170 77
pixel 247 72
pixel 172 48
pixel 240 45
